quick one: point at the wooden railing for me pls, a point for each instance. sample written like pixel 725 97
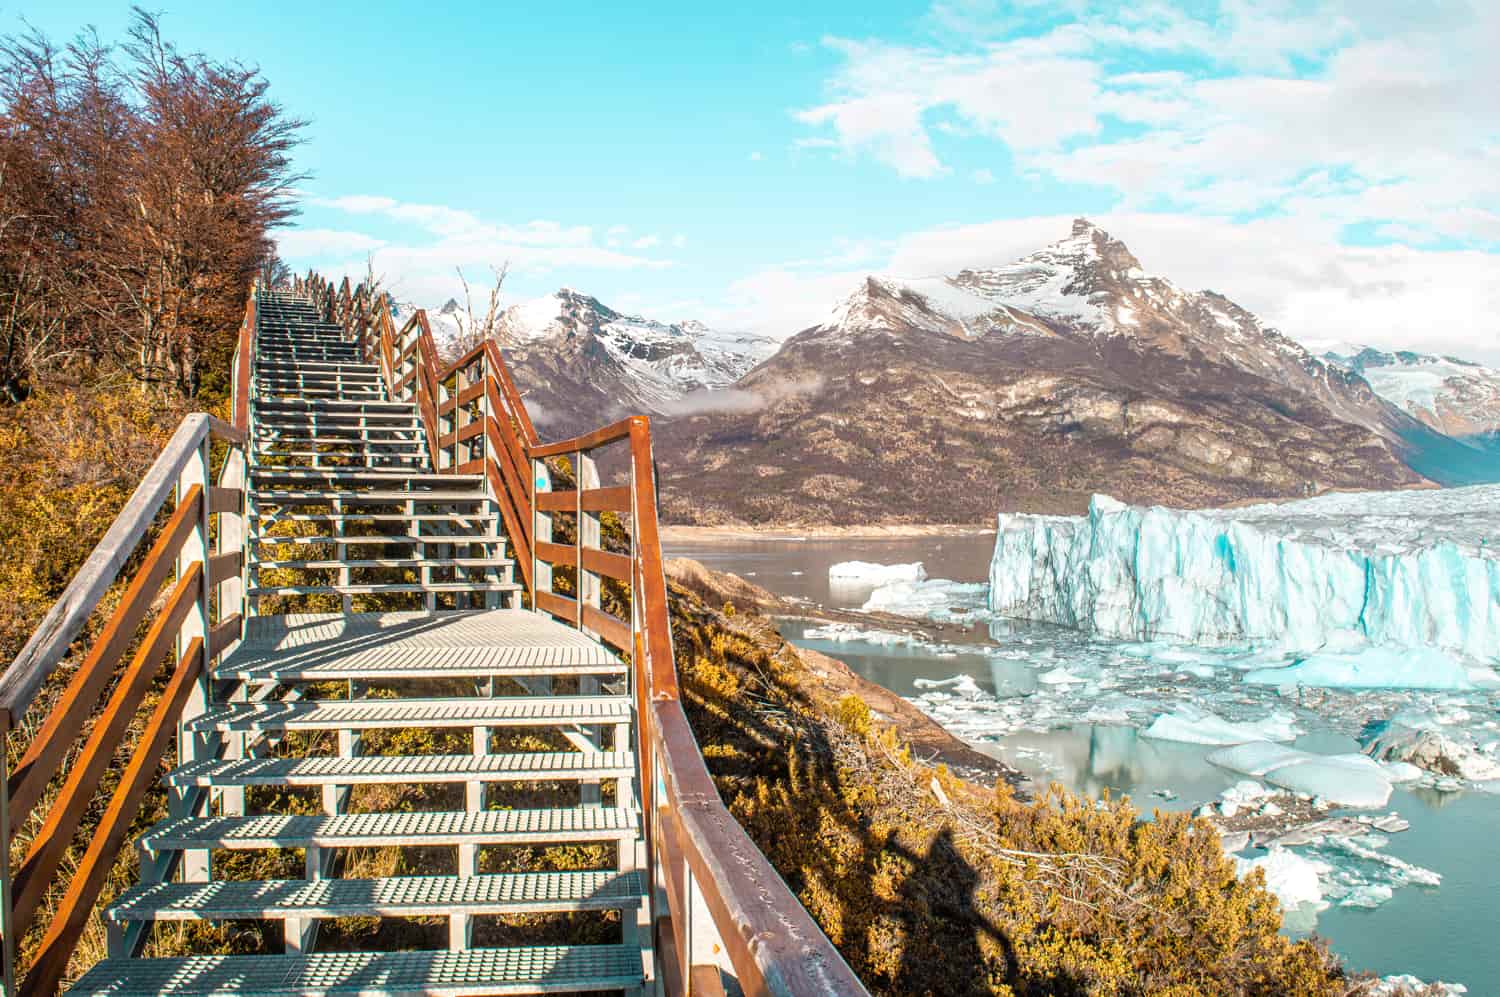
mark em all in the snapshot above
pixel 200 615
pixel 719 909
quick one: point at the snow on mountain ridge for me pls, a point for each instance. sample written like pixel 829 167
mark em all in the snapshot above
pixel 1454 396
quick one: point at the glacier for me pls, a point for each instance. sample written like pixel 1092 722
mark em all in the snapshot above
pixel 1340 574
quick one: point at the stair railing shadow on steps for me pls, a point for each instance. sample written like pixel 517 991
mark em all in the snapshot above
pixel 190 587
pixel 719 910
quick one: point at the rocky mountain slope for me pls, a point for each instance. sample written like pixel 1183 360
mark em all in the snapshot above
pixel 1029 387
pixel 582 364
pixel 1456 397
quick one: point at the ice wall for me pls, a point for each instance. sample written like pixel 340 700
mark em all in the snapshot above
pixel 1414 569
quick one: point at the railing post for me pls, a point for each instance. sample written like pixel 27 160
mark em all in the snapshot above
pixel 541 529
pixel 190 746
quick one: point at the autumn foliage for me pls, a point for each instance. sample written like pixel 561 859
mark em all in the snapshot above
pixel 138 188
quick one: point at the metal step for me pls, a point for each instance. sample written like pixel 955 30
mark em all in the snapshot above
pixel 358 474
pixel 367 497
pixel 508 971
pixel 388 714
pixel 387 539
pixel 349 435
pixel 394 562
pixel 368 770
pixel 280 406
pixel 468 518
pixel 393 896
pixel 472 643
pixel 394 588
pixel 554 825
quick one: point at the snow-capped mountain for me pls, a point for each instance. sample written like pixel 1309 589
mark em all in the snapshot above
pixel 1091 285
pixel 581 362
pixel 1029 387
pixel 1457 397
pixel 659 362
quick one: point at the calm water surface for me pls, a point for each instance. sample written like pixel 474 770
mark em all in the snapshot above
pixel 1451 932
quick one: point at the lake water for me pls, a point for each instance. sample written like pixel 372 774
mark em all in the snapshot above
pixel 1446 932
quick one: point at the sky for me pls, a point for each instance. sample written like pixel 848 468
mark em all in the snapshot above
pixel 1333 165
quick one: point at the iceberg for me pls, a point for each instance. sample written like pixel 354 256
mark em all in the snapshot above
pixel 934 598
pixel 1194 726
pixel 1350 780
pixel 1293 878
pixel 869 574
pixel 1414 569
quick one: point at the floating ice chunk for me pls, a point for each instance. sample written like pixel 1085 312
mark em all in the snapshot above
pixel 1194 726
pixel 1372 668
pixel 1351 780
pixel 1407 983
pixel 869 573
pixel 1339 779
pixel 1246 791
pixel 847 632
pixel 935 598
pixel 959 685
pixel 1293 878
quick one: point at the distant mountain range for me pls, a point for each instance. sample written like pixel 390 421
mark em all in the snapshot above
pixel 1456 397
pixel 582 363
pixel 1027 386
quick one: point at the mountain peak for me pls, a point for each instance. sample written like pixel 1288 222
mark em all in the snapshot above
pixel 1082 226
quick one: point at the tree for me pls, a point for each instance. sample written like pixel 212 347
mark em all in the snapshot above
pixel 138 190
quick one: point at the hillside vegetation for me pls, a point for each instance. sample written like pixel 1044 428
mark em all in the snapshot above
pixel 931 885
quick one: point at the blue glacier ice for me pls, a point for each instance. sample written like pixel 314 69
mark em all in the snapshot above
pixel 1339 574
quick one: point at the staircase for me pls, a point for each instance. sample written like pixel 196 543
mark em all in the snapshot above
pixel 343 501
pixel 388 693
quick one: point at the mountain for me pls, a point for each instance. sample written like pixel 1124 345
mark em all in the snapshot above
pixel 580 363
pixel 1456 397
pixel 1029 387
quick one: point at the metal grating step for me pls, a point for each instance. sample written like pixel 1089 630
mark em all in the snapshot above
pixel 318 646
pixel 371 770
pixel 395 562
pixel 509 971
pixel 554 825
pixel 378 497
pixel 373 714
pixel 392 588
pixel 393 896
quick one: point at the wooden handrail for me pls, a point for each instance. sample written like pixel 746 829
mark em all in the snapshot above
pixel 63 622
pixel 47 749
pixel 83 888
pixel 185 619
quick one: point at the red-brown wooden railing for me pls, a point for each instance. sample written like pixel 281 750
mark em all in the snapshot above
pixel 200 617
pixel 719 907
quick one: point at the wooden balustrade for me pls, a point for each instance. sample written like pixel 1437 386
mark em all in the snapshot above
pixel 183 621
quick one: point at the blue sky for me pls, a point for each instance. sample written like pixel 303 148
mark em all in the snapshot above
pixel 1333 165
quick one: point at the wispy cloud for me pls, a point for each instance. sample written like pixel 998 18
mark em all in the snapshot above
pixel 433 240
pixel 1354 112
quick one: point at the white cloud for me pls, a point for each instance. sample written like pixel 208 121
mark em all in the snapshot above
pixel 303 242
pixel 646 242
pixel 1394 108
pixel 421 262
